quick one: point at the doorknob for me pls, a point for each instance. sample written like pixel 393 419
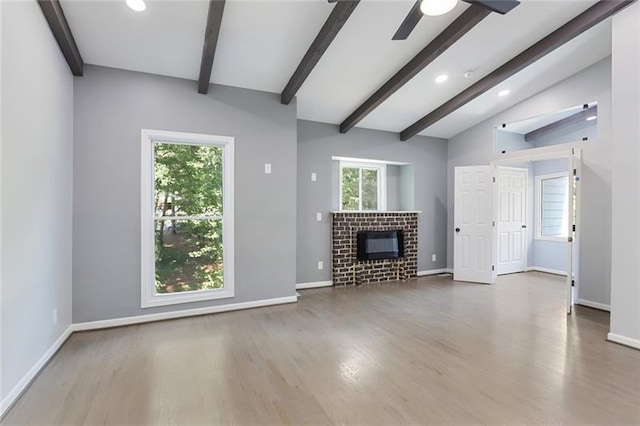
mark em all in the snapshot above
pixel 457 230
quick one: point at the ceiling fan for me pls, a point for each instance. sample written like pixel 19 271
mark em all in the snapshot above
pixel 440 7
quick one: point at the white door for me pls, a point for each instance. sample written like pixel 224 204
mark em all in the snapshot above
pixel 473 223
pixel 511 220
pixel 572 183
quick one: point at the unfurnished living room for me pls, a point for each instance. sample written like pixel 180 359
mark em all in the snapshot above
pixel 319 212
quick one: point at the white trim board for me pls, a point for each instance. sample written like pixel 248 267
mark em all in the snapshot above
pixel 594 305
pixel 545 270
pixel 140 319
pixel 33 372
pixel 317 284
pixel 623 340
pixel 435 272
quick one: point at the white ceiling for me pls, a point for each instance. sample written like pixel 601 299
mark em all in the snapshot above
pixel 262 41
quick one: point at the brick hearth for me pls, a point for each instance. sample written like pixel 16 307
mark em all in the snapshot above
pixel 346 267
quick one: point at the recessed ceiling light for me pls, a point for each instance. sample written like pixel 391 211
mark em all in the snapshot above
pixel 442 78
pixel 437 7
pixel 504 92
pixel 137 5
pixel 593 117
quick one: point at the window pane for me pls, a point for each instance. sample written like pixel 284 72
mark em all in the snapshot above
pixel 188 255
pixel 369 189
pixel 554 206
pixel 188 180
pixel 350 188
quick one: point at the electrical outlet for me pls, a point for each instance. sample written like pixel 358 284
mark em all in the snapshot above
pixel 319 217
pixel 55 317
pixel 267 168
pixel 314 177
pixel 320 265
pixel 433 257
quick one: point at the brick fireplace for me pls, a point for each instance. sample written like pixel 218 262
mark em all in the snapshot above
pixel 347 269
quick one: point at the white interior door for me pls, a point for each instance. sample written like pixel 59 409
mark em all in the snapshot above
pixel 572 183
pixel 511 220
pixel 473 223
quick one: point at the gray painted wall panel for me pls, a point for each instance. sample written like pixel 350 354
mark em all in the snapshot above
pixel 475 147
pixel 111 107
pixel 625 297
pixel 36 177
pixel 318 142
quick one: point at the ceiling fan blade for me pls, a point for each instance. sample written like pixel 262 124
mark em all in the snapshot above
pixel 499 6
pixel 409 23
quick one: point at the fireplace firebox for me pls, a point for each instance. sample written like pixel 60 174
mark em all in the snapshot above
pixel 375 245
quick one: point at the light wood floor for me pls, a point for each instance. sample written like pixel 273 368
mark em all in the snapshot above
pixel 428 351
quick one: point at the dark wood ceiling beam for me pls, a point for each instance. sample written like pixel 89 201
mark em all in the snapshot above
pixel 561 124
pixel 332 26
pixel 458 28
pixel 586 20
pixel 212 30
pixel 54 15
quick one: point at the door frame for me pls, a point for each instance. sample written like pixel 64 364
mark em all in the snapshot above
pixel 496 173
pixel 564 151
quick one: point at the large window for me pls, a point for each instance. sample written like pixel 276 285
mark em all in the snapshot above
pixel 552 208
pixel 187 217
pixel 362 186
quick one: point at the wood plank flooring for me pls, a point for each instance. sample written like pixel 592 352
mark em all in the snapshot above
pixel 428 351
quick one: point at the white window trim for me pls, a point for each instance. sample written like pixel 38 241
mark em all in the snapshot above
pixel 382 183
pixel 538 224
pixel 149 297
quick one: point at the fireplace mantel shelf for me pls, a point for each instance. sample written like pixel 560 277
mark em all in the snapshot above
pixel 376 212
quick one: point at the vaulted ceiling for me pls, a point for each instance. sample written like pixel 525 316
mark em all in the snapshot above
pixel 261 42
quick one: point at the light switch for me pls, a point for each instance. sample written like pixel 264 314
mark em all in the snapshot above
pixel 267 168
pixel 320 265
pixel 319 217
pixel 314 177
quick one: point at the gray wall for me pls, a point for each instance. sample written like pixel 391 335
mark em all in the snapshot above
pixel 548 254
pixel 36 185
pixel 574 133
pixel 318 142
pixel 475 147
pixel 509 141
pixel 111 107
pixel 625 286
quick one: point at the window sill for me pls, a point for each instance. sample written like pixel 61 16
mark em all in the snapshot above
pixel 185 297
pixel 552 239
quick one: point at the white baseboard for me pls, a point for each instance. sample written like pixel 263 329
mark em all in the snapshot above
pixel 139 319
pixel 435 272
pixel 24 383
pixel 626 341
pixel 595 305
pixel 316 284
pixel 546 270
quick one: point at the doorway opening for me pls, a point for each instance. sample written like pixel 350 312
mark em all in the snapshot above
pixel 524 204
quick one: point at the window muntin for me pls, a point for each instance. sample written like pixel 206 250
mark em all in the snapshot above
pixel 187 218
pixel 362 186
pixel 552 208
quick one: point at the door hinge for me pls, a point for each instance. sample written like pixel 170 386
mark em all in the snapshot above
pixel 570 239
pixel 574 228
pixel 494 179
pixel 575 172
pixel 494 223
pixel 493 267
